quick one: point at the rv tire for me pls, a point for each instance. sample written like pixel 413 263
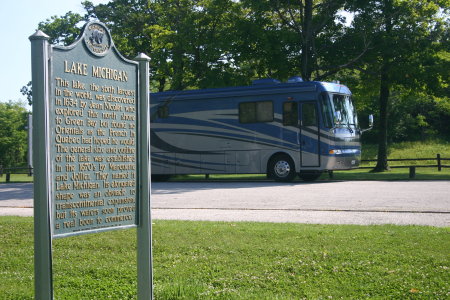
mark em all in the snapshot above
pixel 281 168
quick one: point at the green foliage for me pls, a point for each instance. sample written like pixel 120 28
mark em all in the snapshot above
pixel 222 260
pixel 62 30
pixel 27 90
pixel 13 134
pixel 419 117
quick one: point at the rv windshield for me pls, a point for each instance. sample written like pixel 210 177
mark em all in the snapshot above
pixel 344 111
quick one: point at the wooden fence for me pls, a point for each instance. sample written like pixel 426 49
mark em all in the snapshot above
pixel 412 167
pixel 16 170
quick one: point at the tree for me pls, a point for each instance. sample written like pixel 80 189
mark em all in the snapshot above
pixel 27 90
pixel 214 43
pixel 13 134
pixel 188 40
pixel 316 31
pixel 63 30
pixel 404 35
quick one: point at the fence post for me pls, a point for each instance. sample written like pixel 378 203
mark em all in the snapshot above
pixel 438 157
pixel 412 172
pixel 1 170
pixel 8 176
pixel 30 170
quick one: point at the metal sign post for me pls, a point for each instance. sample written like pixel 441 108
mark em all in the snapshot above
pixel 144 230
pixel 42 233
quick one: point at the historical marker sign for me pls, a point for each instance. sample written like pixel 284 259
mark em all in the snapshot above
pixel 91 147
pixel 93 122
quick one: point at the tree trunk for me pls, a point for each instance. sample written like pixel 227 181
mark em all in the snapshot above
pixel 178 68
pixel 307 38
pixel 162 83
pixel 382 163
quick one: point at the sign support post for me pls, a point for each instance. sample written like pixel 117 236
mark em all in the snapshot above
pixel 144 229
pixel 42 232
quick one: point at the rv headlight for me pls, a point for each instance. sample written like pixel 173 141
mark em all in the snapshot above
pixel 335 151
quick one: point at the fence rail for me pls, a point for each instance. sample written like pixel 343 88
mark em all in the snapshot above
pixel 412 168
pixel 16 170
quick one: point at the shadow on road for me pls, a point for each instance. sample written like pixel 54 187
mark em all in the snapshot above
pixel 175 187
pixel 17 191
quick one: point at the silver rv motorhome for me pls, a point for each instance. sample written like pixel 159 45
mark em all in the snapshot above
pixel 280 129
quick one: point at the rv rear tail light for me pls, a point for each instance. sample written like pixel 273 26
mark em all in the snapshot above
pixel 335 151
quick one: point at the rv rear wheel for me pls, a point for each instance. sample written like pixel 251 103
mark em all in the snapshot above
pixel 281 168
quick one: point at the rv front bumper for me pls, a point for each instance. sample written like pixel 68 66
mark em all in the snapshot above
pixel 344 159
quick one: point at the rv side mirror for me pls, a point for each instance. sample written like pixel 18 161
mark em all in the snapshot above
pixel 370 124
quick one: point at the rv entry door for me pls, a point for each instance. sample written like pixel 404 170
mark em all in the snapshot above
pixel 309 135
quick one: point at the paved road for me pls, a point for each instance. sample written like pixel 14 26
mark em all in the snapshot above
pixel 355 202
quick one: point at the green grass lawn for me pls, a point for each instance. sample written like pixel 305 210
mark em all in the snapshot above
pixel 427 149
pixel 17 178
pixel 221 260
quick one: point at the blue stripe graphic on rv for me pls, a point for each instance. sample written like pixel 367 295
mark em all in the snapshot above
pixel 194 164
pixel 201 123
pixel 271 129
pixel 161 144
pixel 162 156
pixel 236 137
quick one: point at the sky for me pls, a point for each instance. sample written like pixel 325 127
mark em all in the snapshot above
pixel 18 21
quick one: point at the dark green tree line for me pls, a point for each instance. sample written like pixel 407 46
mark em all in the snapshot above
pixel 13 134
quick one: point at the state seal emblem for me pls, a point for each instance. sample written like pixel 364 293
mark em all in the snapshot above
pixel 97 38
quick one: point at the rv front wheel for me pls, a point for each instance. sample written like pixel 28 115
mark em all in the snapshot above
pixel 282 168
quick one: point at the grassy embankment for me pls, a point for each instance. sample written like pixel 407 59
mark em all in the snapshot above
pixel 221 260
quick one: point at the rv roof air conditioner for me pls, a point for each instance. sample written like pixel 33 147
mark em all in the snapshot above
pixel 265 81
pixel 295 79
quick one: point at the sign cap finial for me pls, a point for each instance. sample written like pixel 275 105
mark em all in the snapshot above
pixel 142 57
pixel 39 35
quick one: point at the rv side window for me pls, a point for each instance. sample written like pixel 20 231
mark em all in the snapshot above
pixel 327 110
pixel 309 116
pixel 256 112
pixel 290 114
